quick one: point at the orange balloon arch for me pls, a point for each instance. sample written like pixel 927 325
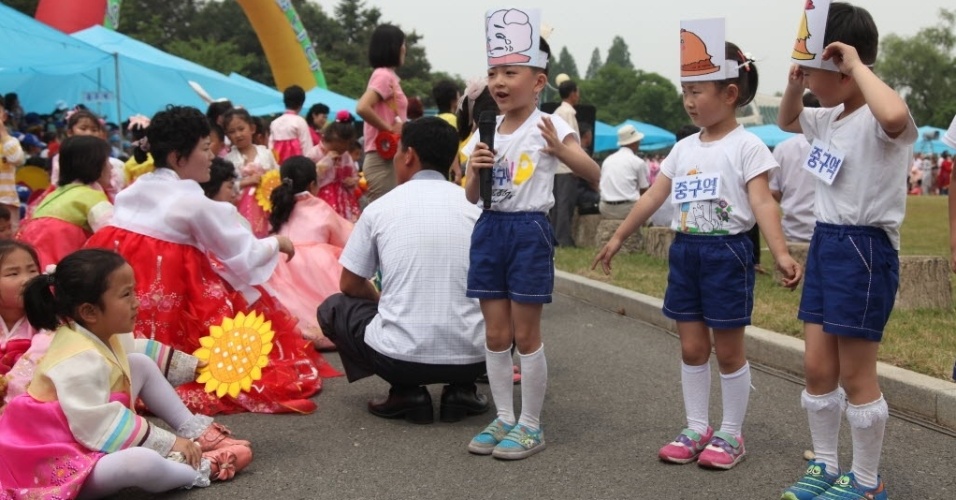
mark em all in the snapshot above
pixel 287 46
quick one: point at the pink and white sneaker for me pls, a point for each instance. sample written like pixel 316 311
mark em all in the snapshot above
pixel 723 451
pixel 686 447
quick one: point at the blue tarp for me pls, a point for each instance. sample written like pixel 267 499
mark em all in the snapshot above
pixel 771 135
pixel 925 144
pixel 605 137
pixel 150 78
pixel 32 48
pixel 45 66
pixel 36 61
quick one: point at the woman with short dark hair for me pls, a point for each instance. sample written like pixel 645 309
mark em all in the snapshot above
pixel 383 107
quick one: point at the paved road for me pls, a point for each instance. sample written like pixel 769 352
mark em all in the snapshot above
pixel 613 400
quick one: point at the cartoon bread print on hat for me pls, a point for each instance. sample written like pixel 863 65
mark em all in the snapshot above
pixel 694 57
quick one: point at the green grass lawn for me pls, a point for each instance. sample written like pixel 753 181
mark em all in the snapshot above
pixel 921 340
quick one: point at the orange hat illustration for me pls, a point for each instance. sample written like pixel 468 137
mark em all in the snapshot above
pixel 800 50
pixel 694 57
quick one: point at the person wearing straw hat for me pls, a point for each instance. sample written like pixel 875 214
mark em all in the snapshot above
pixel 624 175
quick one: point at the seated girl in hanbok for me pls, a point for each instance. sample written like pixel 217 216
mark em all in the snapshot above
pixel 318 234
pixel 166 228
pixel 74 433
pixel 71 213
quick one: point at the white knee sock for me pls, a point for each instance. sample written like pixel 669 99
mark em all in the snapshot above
pixel 534 384
pixel 500 372
pixel 735 392
pixel 867 426
pixel 824 413
pixel 149 384
pixel 141 468
pixel 695 382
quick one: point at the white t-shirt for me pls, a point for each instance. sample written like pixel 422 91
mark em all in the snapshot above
pixel 949 138
pixel 523 174
pixel 738 157
pixel 870 189
pixel 796 184
pixel 423 313
pixel 623 175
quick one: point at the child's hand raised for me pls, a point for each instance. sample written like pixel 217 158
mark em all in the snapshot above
pixel 795 77
pixel 792 271
pixel 607 253
pixel 844 56
pixel 190 450
pixel 550 135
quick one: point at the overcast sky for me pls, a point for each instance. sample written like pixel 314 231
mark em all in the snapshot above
pixel 454 37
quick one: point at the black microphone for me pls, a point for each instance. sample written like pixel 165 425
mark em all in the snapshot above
pixel 487 122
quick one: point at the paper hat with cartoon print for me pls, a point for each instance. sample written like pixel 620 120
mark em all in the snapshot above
pixel 513 38
pixel 703 50
pixel 808 49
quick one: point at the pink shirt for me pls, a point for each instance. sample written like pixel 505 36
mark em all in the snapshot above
pixel 290 126
pixel 385 83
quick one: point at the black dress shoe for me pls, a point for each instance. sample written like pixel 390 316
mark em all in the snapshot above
pixel 459 401
pixel 413 404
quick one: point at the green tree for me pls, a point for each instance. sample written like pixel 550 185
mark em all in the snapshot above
pixel 621 93
pixel 595 65
pixel 565 63
pixel 923 69
pixel 223 56
pixel 619 54
pixel 28 7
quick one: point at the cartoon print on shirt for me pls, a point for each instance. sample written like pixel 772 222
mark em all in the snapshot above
pixel 706 217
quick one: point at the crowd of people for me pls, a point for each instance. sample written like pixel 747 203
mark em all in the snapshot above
pixel 205 273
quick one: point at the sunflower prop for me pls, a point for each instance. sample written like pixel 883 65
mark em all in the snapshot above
pixel 267 183
pixel 235 353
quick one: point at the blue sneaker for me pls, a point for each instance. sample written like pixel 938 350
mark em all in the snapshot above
pixel 521 442
pixel 846 488
pixel 484 443
pixel 814 483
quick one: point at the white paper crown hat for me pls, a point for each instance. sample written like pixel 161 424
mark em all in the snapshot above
pixel 702 52
pixel 513 36
pixel 808 49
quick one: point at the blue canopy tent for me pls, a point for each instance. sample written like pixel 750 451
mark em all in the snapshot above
pixel 654 137
pixel 605 137
pixel 150 78
pixel 929 141
pixel 771 135
pixel 36 59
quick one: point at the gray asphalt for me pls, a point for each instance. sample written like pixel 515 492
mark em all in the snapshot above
pixel 613 400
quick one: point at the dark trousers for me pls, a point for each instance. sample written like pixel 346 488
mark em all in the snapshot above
pixel 562 214
pixel 344 319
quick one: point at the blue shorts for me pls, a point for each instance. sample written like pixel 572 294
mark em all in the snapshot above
pixel 512 257
pixel 852 276
pixel 711 279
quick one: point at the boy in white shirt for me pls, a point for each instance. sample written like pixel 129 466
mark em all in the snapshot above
pixel 864 138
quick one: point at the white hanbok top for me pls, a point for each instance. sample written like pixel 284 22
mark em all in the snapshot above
pixel 163 206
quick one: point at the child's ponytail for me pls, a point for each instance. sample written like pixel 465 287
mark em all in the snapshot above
pixel 39 303
pixel 747 79
pixel 80 278
pixel 298 174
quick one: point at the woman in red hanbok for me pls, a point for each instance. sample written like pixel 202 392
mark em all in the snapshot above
pixel 164 226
